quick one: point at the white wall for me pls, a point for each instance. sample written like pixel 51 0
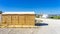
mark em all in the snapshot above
pixel 0 18
pixel 44 16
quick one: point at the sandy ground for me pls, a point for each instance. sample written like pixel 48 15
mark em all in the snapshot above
pixel 19 30
pixel 52 28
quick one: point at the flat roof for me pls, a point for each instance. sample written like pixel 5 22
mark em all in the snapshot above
pixel 18 13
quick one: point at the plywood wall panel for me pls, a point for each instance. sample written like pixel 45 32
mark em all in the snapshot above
pixel 8 20
pixel 21 20
pixel 30 20
pixel 14 20
pixel 4 19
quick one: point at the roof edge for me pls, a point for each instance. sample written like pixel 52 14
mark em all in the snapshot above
pixel 18 13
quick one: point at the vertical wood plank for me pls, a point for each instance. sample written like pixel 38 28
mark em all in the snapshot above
pixel 21 20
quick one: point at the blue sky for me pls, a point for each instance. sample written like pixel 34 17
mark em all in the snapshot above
pixel 39 6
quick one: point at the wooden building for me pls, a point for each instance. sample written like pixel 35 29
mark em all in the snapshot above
pixel 18 18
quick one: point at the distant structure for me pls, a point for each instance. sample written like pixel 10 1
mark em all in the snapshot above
pixel 43 15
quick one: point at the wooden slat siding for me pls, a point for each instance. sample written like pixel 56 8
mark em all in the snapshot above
pixel 11 20
pixel 29 20
pixel 14 20
pixel 8 21
pixel 23 19
pixel 4 19
pixel 18 19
